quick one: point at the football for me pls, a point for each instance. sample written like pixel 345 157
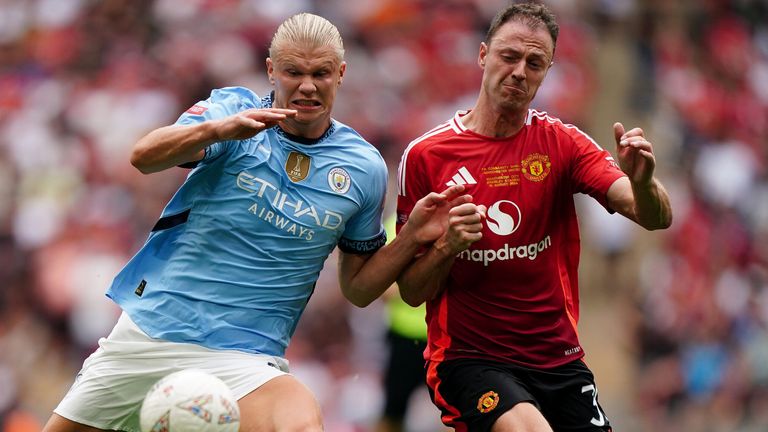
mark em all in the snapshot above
pixel 189 400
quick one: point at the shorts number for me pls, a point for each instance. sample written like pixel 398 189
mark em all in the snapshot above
pixel 600 420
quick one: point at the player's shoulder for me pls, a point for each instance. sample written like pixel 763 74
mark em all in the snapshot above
pixel 348 133
pixel 237 96
pixel 353 142
pixel 437 135
pixel 542 121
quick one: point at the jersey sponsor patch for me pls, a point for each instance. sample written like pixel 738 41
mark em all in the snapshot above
pixel 503 217
pixel 507 252
pixel 536 167
pixel 197 110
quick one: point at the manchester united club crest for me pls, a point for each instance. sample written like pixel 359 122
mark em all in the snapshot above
pixel 297 166
pixel 536 167
pixel 487 402
pixel 339 180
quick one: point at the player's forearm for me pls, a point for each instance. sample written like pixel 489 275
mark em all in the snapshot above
pixel 652 207
pixel 171 146
pixel 367 282
pixel 426 276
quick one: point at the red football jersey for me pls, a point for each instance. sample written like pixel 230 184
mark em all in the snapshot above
pixel 512 296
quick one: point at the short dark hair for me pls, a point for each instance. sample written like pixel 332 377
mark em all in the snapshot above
pixel 531 14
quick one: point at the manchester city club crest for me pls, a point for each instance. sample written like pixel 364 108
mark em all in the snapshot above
pixel 339 180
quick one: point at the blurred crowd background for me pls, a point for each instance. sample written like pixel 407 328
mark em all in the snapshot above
pixel 675 323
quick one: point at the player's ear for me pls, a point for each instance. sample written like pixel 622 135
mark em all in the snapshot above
pixel 342 69
pixel 270 70
pixel 482 54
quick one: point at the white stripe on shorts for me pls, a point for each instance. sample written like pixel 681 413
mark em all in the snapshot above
pixel 108 390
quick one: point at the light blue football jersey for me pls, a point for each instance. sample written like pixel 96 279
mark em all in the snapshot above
pixel 235 256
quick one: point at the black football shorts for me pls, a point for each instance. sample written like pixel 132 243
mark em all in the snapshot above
pixel 472 394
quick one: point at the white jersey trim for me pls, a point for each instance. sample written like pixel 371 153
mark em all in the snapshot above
pixel 541 115
pixel 402 167
pixel 456 123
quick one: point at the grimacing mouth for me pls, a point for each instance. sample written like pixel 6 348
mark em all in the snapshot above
pixel 306 102
pixel 515 87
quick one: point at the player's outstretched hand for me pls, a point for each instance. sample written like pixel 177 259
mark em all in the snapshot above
pixel 635 154
pixel 248 123
pixel 429 218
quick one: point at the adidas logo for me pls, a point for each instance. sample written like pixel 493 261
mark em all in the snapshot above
pixel 462 177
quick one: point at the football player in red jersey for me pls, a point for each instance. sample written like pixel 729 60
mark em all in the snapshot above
pixel 501 285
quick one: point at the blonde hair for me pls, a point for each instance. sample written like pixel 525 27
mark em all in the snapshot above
pixel 309 30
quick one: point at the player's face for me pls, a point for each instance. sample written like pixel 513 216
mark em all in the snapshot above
pixel 515 63
pixel 306 79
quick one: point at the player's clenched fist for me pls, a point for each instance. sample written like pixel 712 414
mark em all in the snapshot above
pixel 465 226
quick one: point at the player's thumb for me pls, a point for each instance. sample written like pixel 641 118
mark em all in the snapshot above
pixel 483 210
pixel 618 131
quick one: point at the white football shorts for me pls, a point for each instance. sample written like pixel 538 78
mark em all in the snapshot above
pixel 109 389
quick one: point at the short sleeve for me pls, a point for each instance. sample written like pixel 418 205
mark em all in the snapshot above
pixel 412 183
pixel 221 103
pixel 364 233
pixel 594 168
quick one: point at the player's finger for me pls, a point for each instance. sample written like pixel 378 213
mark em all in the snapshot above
pixel 469 222
pixel 266 116
pixel 269 116
pixel 249 122
pixel 431 199
pixel 465 209
pixel 475 227
pixel 618 131
pixel 649 156
pixel 482 210
pixel 452 191
pixel 286 111
pixel 459 200
pixel 472 237
pixel 283 111
pixel 639 142
pixel 434 198
pixel 634 132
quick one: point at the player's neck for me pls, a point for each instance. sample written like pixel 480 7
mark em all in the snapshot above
pixel 308 131
pixel 486 120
